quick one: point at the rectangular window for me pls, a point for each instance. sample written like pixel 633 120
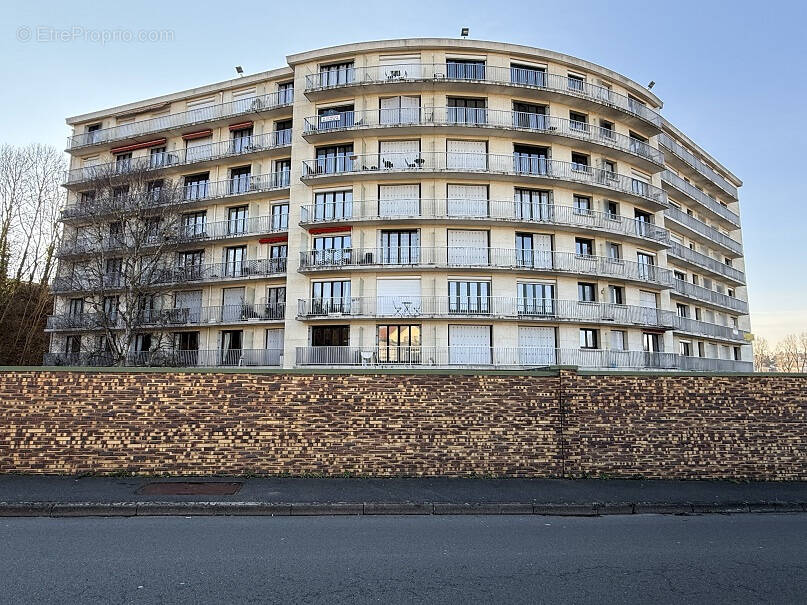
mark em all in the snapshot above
pixel 651 342
pixel 241 140
pixel 646 266
pixel 336 74
pixel 330 297
pixel 123 162
pixel 530 116
pixel 536 299
pixel 462 69
pixel 530 160
pixel 399 343
pixel 335 117
pixel 619 340
pixel 533 205
pixel 583 246
pixel 72 344
pixel 578 121
pixel 580 162
pixel 582 205
pixel 527 75
pixel 467 111
pixel 333 205
pixel 285 93
pixel 685 348
pixel 400 247
pixel 612 210
pixel 275 302
pixel 682 310
pixel 334 159
pixel 616 295
pixel 76 307
pixel 281 177
pixel 196 186
pixel 283 130
pixel 280 217
pixel 240 179
pixel 194 224
pixel 237 220
pixel 589 338
pixel 586 292
pixel 575 82
pixel 467 297
pixel 614 251
pixel 332 249
pixel 235 261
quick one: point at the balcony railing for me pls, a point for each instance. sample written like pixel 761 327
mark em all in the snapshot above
pixel 456 72
pixel 211 272
pixel 202 232
pixel 692 160
pixel 481 118
pixel 494 210
pixel 173 358
pixel 221 111
pixel 706 262
pixel 482 306
pixel 196 191
pixel 181 157
pixel 171 317
pixel 501 258
pixel 708 329
pixel 517 357
pixel 696 195
pixel 710 296
pixel 709 232
pixel 537 167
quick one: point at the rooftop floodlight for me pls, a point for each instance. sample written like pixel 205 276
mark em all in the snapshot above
pixel 652 84
pixel 464 32
pixel 239 70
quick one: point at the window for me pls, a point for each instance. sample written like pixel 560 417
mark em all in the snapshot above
pixel 283 129
pixel 110 306
pixel 72 344
pixel 578 121
pixel 698 313
pixel 530 160
pixel 278 254
pixel 609 170
pixel 586 292
pixel 619 340
pixel 469 297
pixel 333 159
pixel 651 342
pixel 524 250
pixel 76 307
pixel 329 297
pixel 400 247
pixel 280 217
pixel 612 209
pixel 399 343
pixel 119 194
pixel 285 93
pixel 240 179
pixel 466 111
pixel 528 115
pixel 527 75
pixel 583 247
pixel 682 310
pixel 399 110
pixel 86 197
pixel 643 220
pixel 93 133
pixel 235 261
pixel 532 205
pixel 190 263
pixel 685 348
pixel 155 190
pixel 737 354
pixel 123 162
pixel 606 129
pixel 194 224
pixel 646 264
pixel 114 266
pixel 332 249
pixel 680 275
pixel 196 186
pixel 536 299
pixel 335 117
pixel 333 205
pixel 282 173
pixel 237 220
pixel 575 82
pixel 579 162
pixel 588 338
pixel 158 157
pixel 275 302
pixel 462 69
pixel 142 343
pixel 187 341
pixel 582 205
pixel 336 74
pixel 616 294
pixel 614 251
pixel 241 141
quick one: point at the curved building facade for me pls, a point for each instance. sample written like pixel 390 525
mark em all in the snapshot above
pixel 427 202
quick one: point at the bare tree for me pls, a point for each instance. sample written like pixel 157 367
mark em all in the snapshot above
pixel 791 353
pixel 764 359
pixel 124 266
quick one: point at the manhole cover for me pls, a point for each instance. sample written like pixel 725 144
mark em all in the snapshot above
pixel 190 488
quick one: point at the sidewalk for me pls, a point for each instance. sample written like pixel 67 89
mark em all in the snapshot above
pixel 35 495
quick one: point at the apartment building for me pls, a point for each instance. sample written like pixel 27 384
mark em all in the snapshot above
pixel 425 202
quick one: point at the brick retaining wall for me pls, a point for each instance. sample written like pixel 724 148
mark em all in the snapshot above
pixel 385 424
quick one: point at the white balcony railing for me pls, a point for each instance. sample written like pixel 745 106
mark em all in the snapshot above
pixel 692 160
pixel 502 258
pixel 696 195
pixel 480 118
pixel 706 262
pixel 182 157
pixel 173 358
pixel 494 210
pixel 520 165
pixel 534 79
pixel 707 231
pixel 139 128
pixel 700 293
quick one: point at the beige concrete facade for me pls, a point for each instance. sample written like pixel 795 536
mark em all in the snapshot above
pixel 613 186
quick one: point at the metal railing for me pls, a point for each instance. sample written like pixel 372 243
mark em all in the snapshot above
pixel 221 111
pixel 503 258
pixel 695 162
pixel 482 306
pixel 696 195
pixel 418 356
pixel 181 157
pixel 498 210
pixel 516 164
pixel 704 294
pixel 709 232
pixel 171 317
pixel 706 262
pixel 194 192
pixel 210 272
pixel 480 118
pixel 172 358
pixel 711 330
pixel 462 72
pixel 202 232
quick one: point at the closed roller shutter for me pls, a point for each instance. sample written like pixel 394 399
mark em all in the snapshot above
pixel 467 200
pixel 466 155
pixel 199 149
pixel 400 110
pixel 400 67
pixel 399 155
pixel 189 304
pixel 232 300
pixel 467 247
pixel 399 200
pixel 536 345
pixel 647 300
pixel 274 346
pixel 398 297
pixel 469 345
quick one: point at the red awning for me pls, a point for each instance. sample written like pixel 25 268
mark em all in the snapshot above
pixel 197 135
pixel 240 125
pixel 275 239
pixel 134 146
pixel 334 229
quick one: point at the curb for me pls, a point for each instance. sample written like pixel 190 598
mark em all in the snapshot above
pixel 303 509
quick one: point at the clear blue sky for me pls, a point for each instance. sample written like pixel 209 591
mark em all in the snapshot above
pixel 731 75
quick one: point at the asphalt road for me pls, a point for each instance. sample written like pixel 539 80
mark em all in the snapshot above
pixel 756 558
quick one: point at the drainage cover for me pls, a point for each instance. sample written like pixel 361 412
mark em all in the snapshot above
pixel 190 488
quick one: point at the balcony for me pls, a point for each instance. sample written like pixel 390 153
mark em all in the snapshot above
pixel 703 173
pixel 137 130
pixel 509 357
pixel 696 195
pixel 528 169
pixel 460 119
pixel 697 228
pixel 721 301
pixel 211 272
pixel 243 146
pixel 703 262
pixel 485 307
pixel 191 234
pixel 485 211
pixel 165 318
pixel 453 76
pixel 173 358
pixel 198 191
pixel 509 259
pixel 709 330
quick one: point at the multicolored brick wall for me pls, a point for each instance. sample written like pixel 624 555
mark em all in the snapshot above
pixel 393 424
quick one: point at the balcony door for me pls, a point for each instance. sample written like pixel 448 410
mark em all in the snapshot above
pixel 529 115
pixel 232 342
pixel 536 299
pixel 399 110
pixel 530 160
pixel 235 261
pixel 533 250
pixel 232 304
pixel 398 297
pixel 274 346
pixel 400 247
pixel 648 303
pixel 399 67
pixel 187 306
